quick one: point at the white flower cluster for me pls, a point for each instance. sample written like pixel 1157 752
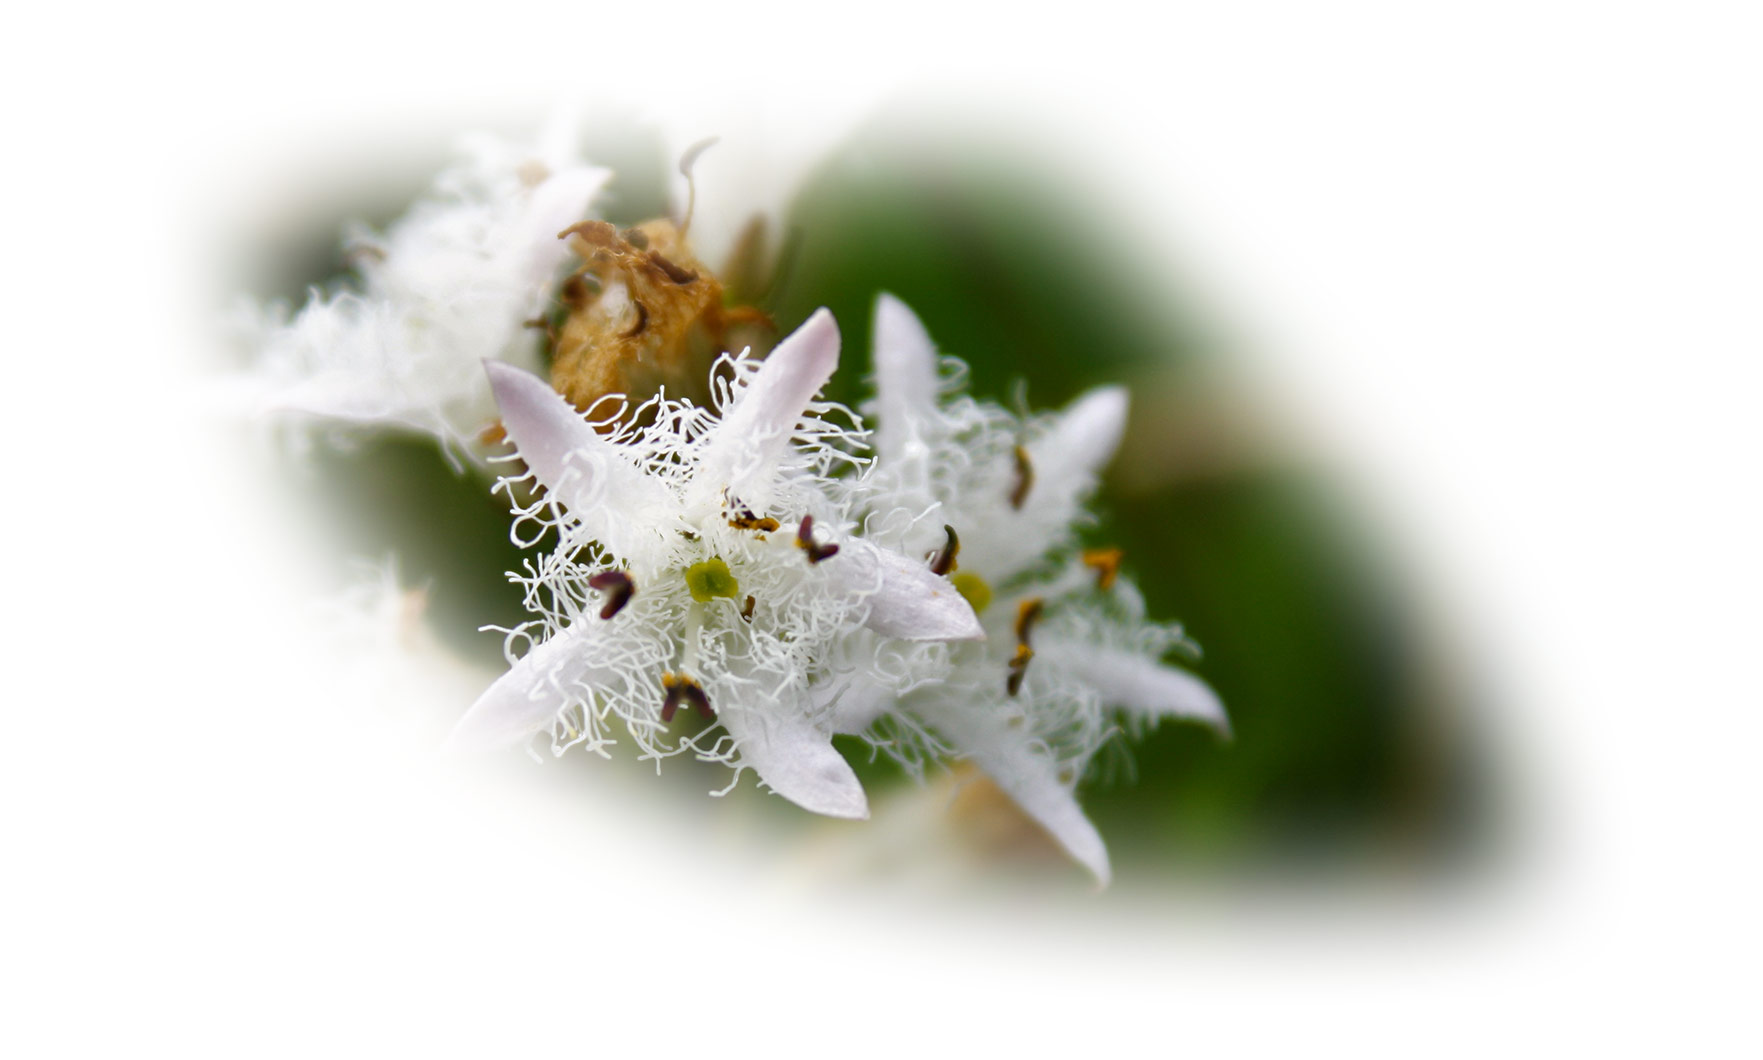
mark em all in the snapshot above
pixel 753 561
pixel 708 559
pixel 705 561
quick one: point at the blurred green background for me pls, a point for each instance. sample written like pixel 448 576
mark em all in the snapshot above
pixel 1352 752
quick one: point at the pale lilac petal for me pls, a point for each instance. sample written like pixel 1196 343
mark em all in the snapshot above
pixel 743 453
pixel 1137 684
pixel 905 599
pixel 618 503
pixel 796 759
pixel 1067 459
pixel 526 699
pixel 905 376
pixel 1023 771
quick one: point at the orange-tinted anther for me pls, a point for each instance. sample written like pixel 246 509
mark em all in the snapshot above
pixel 1106 562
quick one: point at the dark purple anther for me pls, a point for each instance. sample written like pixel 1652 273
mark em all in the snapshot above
pixel 618 587
pixel 943 561
pixel 805 541
pixel 682 689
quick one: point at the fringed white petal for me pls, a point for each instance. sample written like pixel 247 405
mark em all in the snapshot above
pixel 743 452
pixel 905 599
pixel 905 376
pixel 560 201
pixel 850 701
pixel 618 504
pixel 1137 684
pixel 796 759
pixel 1024 772
pixel 526 699
pixel 1067 459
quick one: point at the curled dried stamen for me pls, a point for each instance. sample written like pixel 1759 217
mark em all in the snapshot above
pixel 674 272
pixel 1106 562
pixel 579 288
pixel 593 233
pixel 805 541
pixel 1025 478
pixel 542 324
pixel 678 689
pixel 943 560
pixel 747 611
pixel 618 587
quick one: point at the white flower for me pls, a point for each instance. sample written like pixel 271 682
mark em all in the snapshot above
pixel 704 561
pixel 450 283
pixel 1067 641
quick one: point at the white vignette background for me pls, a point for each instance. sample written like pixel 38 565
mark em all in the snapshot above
pixel 1500 260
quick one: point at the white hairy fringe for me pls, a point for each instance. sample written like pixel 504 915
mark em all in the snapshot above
pixel 452 282
pixel 799 623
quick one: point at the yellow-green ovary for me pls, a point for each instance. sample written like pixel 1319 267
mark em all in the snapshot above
pixel 711 579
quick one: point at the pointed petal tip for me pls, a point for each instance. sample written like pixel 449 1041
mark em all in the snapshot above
pixel 905 361
pixel 524 701
pixel 904 355
pixel 817 338
pixel 796 759
pixel 908 601
pixel 511 385
pixel 964 626
pixel 479 732
pixel 499 370
pixel 845 810
pixel 1114 396
pixel 1100 414
pixel 895 319
pixel 1082 842
pixel 948 616
pixel 1185 695
pixel 829 792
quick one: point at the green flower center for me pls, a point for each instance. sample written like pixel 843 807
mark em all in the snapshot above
pixel 711 579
